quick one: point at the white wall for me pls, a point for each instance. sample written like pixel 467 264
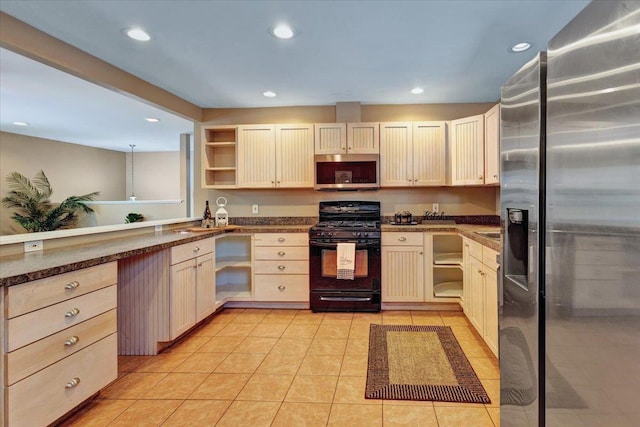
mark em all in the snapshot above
pixel 75 169
pixel 156 175
pixel 295 203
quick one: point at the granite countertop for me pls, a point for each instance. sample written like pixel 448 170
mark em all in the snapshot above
pixel 467 230
pixel 16 269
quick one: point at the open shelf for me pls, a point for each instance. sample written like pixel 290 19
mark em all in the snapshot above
pixel 447 258
pixel 234 267
pixel 448 289
pixel 219 157
pixel 447 267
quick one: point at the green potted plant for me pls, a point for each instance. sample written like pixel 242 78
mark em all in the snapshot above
pixel 133 217
pixel 34 210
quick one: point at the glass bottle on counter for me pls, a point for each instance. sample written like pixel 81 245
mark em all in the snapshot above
pixel 207 219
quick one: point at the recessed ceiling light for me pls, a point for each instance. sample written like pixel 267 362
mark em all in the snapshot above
pixel 520 47
pixel 283 31
pixel 269 94
pixel 417 90
pixel 138 34
pixel 21 123
pixel 152 120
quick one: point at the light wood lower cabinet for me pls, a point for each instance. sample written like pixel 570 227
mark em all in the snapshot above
pixel 402 267
pixel 192 285
pixel 47 395
pixel 281 267
pixel 60 345
pixel 481 302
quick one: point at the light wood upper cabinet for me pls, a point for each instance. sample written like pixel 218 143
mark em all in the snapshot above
pixel 467 151
pixel 294 156
pixel 350 138
pixel 330 138
pixel 412 154
pixel 275 156
pixel 492 145
pixel 396 154
pixel 219 156
pixel 429 153
pixel 256 156
pixel 363 138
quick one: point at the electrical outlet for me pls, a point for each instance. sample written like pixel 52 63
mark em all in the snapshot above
pixel 255 209
pixel 158 228
pixel 435 208
pixel 34 245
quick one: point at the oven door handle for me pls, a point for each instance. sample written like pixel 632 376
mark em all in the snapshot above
pixel 335 245
pixel 351 299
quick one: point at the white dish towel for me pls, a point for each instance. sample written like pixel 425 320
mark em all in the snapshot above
pixel 346 258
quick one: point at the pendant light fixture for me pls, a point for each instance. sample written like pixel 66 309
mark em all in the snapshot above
pixel 133 196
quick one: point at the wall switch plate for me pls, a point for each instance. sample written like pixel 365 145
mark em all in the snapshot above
pixel 255 209
pixel 158 228
pixel 34 245
pixel 435 208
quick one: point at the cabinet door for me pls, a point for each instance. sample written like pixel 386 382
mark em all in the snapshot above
pixel 396 155
pixel 205 286
pixel 402 273
pixel 477 295
pixel 363 138
pixel 330 138
pixel 183 297
pixel 256 156
pixel 294 156
pixel 492 146
pixel 429 153
pixel 491 309
pixel 466 278
pixel 467 151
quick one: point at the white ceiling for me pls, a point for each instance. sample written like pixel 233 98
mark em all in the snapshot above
pixel 220 54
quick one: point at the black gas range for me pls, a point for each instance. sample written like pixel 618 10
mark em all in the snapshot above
pixel 355 222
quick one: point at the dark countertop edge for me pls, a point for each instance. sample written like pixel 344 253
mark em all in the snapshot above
pixel 172 238
pixel 467 230
pixel 175 239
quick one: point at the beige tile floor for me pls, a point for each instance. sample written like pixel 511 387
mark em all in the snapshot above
pixel 290 368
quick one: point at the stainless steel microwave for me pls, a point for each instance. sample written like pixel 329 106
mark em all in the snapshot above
pixel 347 172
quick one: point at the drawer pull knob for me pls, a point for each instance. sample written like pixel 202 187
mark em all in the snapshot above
pixel 72 285
pixel 196 249
pixel 282 287
pixel 72 383
pixel 72 313
pixel 402 239
pixel 280 239
pixel 281 253
pixel 71 341
pixel 281 267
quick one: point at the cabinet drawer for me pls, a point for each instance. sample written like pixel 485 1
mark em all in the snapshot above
pixel 401 239
pixel 281 239
pixel 34 295
pixel 191 250
pixel 489 258
pixel 34 357
pixel 30 327
pixel 43 397
pixel 475 249
pixel 278 287
pixel 285 253
pixel 281 267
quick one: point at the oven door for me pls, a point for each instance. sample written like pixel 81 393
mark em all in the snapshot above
pixel 323 267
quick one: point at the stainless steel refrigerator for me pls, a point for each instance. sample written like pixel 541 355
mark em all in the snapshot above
pixel 570 208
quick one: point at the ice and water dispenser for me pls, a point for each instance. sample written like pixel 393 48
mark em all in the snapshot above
pixel 516 248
